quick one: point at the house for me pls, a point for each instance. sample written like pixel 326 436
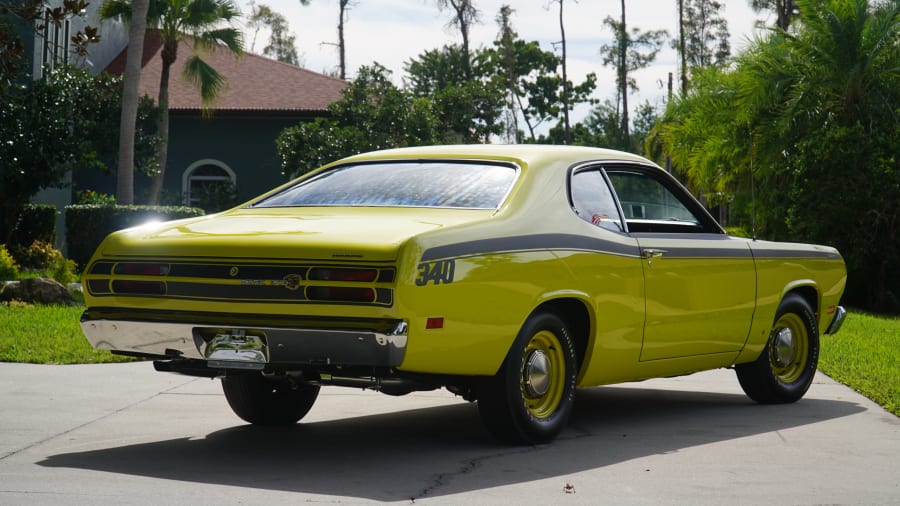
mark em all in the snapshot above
pixel 237 143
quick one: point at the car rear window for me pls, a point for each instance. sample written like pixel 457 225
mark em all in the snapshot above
pixel 470 185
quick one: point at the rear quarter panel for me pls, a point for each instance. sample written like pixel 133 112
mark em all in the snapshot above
pixel 786 267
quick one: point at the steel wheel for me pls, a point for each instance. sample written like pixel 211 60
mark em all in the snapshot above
pixel 529 400
pixel 789 348
pixel 786 367
pixel 543 374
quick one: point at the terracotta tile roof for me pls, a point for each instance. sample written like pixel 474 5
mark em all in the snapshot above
pixel 253 82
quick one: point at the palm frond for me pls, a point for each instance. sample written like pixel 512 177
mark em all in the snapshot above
pixel 231 38
pixel 119 10
pixel 207 79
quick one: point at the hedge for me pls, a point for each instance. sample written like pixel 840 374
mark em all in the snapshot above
pixel 37 222
pixel 88 224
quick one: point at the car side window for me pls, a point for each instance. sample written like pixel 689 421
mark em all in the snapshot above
pixel 649 206
pixel 593 201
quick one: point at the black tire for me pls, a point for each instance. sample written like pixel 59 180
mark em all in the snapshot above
pixel 786 367
pixel 263 401
pixel 530 399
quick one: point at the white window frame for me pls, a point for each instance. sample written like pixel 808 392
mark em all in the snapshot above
pixel 186 176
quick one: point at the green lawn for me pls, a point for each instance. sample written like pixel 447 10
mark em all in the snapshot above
pixel 47 335
pixel 864 355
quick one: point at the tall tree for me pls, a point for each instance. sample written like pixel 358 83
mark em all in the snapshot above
pixel 706 34
pixel 785 10
pixel 631 51
pixel 343 7
pixel 282 43
pixel 505 46
pixel 130 100
pixel 464 16
pixel 565 78
pixel 467 108
pixel 205 25
pixel 682 53
pixel 533 82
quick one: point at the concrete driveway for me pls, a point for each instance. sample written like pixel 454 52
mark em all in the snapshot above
pixel 125 434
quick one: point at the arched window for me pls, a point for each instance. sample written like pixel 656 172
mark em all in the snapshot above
pixel 203 174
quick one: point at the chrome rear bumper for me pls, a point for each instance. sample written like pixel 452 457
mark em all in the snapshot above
pixel 839 315
pixel 248 347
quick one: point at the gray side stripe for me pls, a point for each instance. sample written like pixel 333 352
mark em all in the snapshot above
pixel 762 254
pixel 529 243
pixel 701 253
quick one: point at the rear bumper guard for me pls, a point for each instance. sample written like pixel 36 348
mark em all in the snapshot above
pixel 839 315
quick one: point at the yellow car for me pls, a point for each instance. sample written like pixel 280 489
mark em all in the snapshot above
pixel 510 275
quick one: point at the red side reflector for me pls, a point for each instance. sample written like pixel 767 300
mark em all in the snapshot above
pixel 434 323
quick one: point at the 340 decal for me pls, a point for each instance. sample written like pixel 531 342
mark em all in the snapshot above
pixel 436 272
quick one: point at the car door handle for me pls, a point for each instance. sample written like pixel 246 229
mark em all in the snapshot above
pixel 649 253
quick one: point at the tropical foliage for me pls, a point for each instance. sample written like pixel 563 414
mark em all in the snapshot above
pixel 66 122
pixel 801 136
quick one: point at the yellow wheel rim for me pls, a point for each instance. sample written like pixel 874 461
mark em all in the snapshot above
pixel 789 348
pixel 543 374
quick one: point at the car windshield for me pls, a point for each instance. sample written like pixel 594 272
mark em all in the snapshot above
pixel 470 185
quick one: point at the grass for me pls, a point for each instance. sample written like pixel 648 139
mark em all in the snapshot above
pixel 39 334
pixel 865 355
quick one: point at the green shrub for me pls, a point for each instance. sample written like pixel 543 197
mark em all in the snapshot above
pixel 738 232
pixel 37 222
pixel 39 255
pixel 88 225
pixel 9 270
pixel 63 270
pixel 90 197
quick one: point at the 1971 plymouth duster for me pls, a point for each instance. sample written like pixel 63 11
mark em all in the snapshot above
pixel 510 275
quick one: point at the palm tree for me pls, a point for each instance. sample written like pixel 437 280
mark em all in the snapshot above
pixel 206 25
pixel 130 98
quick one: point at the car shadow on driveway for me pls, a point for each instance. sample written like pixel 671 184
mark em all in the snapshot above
pixel 444 450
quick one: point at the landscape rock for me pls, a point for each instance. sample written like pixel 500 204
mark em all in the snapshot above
pixel 37 291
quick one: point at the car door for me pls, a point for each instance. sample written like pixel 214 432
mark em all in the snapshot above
pixel 700 285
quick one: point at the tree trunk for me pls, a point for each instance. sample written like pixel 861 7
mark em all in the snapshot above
pixel 341 49
pixel 681 48
pixel 565 77
pixel 169 54
pixel 125 174
pixel 623 74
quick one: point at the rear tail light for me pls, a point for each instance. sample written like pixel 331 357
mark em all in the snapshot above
pixel 340 294
pixel 343 274
pixel 142 269
pixel 139 287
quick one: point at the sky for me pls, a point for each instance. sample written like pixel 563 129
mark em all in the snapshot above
pixel 391 32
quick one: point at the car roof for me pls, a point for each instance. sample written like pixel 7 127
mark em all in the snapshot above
pixel 527 154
